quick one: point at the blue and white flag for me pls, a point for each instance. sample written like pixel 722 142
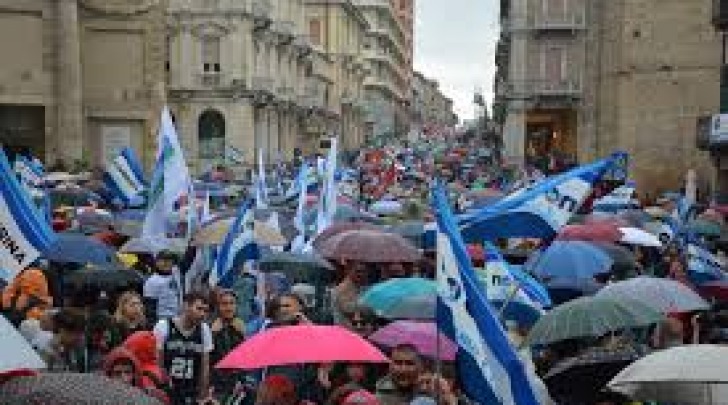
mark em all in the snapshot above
pixel 504 284
pixel 239 246
pixel 30 173
pixel 234 155
pixel 261 188
pixel 329 192
pixel 24 234
pixel 299 242
pixel 206 215
pixel 542 210
pixel 491 370
pixel 702 265
pixel 621 198
pixel 170 179
pixel 123 176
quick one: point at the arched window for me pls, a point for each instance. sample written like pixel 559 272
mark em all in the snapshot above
pixel 211 134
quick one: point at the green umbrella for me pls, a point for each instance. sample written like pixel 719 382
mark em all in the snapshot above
pixel 705 227
pixel 591 317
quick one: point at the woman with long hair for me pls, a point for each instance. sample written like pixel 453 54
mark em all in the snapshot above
pixel 127 318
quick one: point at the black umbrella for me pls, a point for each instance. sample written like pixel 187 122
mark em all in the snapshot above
pixel 104 279
pixel 298 268
pixel 581 379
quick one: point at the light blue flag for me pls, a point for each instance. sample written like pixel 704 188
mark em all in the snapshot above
pixel 124 177
pixel 299 242
pixel 261 187
pixel 540 211
pixel 702 265
pixel 621 198
pixel 239 246
pixel 24 233
pixel 491 370
pixel 170 180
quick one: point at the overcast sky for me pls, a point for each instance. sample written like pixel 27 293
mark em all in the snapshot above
pixel 455 45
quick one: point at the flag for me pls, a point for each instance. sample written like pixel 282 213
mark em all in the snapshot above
pixel 261 188
pixel 206 215
pixel 329 193
pixel 30 174
pixel 123 176
pixel 234 155
pixel 504 284
pixel 491 371
pixel 24 234
pixel 540 211
pixel 170 179
pixel 239 245
pixel 621 198
pixel 702 265
pixel 299 241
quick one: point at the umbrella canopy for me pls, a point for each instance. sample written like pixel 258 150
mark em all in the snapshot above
pixel 602 232
pixel 716 290
pixel 299 268
pixel 214 233
pixel 692 374
pixel 369 247
pixel 153 245
pixel 622 257
pixel 109 279
pixel 18 354
pixel 657 212
pixel 570 259
pixel 388 295
pixel 579 379
pixel 339 227
pixel 705 227
pixel 71 389
pixel 283 346
pixel 636 236
pixel 81 249
pixel 591 317
pixel 386 207
pixel 664 295
pixel 422 335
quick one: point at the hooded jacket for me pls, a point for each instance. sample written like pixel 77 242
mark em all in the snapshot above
pixel 123 354
pixel 143 346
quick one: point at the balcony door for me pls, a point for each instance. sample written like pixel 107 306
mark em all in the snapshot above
pixel 553 66
pixel 554 11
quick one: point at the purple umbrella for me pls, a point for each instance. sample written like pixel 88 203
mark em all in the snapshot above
pixel 421 335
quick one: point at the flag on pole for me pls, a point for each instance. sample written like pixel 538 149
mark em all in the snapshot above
pixel 124 177
pixel 261 188
pixel 206 215
pixel 540 211
pixel 170 179
pixel 621 198
pixel 24 234
pixel 328 195
pixel 492 372
pixel 239 246
pixel 299 242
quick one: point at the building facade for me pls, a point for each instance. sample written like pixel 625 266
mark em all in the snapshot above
pixel 84 80
pixel 337 29
pixel 432 109
pixel 386 88
pixel 583 78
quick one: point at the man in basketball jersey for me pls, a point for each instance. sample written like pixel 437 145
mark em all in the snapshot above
pixel 184 345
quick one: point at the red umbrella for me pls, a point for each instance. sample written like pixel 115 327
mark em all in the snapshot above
pixel 301 344
pixel 591 233
pixel 368 246
pixel 717 290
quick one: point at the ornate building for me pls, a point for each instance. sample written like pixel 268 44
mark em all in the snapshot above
pixel 84 80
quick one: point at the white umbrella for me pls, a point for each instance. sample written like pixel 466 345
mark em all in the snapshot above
pixel 386 207
pixel 636 236
pixel 17 353
pixel 154 245
pixel 691 375
pixel 663 295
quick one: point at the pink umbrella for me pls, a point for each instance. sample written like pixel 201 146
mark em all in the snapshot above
pixel 592 233
pixel 301 344
pixel 421 335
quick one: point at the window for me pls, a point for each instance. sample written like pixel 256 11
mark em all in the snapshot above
pixel 314 30
pixel 211 54
pixel 211 134
pixel 403 5
pixel 553 64
pixel 555 10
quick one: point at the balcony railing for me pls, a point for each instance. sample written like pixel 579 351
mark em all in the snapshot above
pixel 720 14
pixel 567 22
pixel 209 79
pixel 549 88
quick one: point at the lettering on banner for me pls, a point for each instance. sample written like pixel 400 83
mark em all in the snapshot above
pixel 12 247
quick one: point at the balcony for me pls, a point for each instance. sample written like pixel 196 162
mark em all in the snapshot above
pixel 720 15
pixel 261 12
pixel 284 30
pixel 541 90
pixel 209 79
pixel 568 23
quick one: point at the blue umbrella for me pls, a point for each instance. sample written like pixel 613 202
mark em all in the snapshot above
pixel 570 260
pixel 385 296
pixel 78 248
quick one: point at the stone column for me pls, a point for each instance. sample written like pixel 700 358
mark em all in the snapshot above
pixel 69 134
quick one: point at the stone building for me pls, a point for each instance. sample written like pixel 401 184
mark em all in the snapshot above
pixel 432 110
pixel 80 79
pixel 587 77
